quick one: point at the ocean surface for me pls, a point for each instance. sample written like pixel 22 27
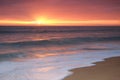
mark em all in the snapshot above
pixel 48 53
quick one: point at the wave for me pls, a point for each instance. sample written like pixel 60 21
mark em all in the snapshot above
pixel 62 41
pixel 52 42
pixel 8 56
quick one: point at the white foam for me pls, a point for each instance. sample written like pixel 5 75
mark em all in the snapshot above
pixel 51 68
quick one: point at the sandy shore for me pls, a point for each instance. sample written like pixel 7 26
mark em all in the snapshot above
pixel 106 70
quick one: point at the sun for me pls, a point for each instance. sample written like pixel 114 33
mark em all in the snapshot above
pixel 38 22
pixel 44 21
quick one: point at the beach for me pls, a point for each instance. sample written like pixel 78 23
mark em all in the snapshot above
pixel 105 70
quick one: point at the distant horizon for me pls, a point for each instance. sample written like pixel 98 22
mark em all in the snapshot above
pixel 59 25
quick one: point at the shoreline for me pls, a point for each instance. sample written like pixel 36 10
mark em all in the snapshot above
pixel 109 69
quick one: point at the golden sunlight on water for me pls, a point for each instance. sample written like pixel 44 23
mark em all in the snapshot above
pixel 44 55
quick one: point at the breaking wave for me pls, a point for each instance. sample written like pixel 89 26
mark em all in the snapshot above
pixel 62 41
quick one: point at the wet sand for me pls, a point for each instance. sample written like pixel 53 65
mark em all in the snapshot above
pixel 105 70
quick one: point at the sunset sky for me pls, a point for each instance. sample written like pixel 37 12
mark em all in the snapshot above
pixel 59 12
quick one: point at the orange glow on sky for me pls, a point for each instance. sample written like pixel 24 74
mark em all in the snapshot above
pixel 59 12
pixel 60 22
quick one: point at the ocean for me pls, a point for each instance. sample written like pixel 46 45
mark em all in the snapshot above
pixel 49 53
